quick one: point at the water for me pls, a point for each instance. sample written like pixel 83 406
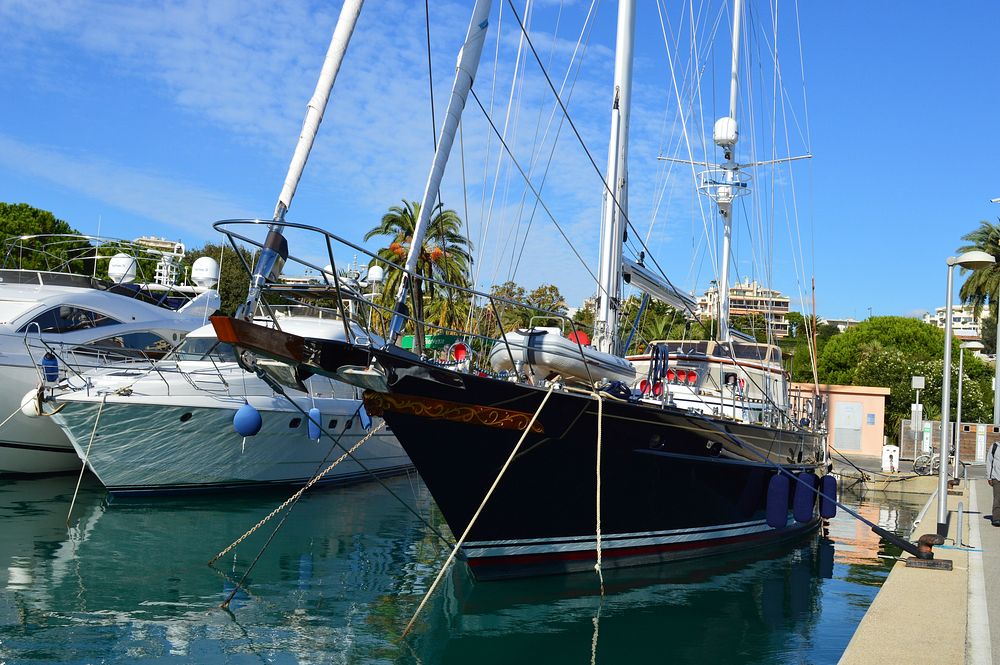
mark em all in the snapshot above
pixel 128 583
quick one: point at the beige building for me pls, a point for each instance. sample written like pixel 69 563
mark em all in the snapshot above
pixel 749 297
pixel 964 323
pixel 855 417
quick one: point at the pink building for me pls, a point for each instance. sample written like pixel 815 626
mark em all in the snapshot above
pixel 855 417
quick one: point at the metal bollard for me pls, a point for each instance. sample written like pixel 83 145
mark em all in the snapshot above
pixel 958 525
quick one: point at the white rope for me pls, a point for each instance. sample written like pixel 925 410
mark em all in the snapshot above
pixel 299 493
pixel 489 493
pixel 86 457
pixel 597 566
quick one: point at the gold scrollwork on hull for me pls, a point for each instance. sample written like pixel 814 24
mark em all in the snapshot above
pixel 426 407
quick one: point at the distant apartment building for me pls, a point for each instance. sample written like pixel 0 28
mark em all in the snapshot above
pixel 749 297
pixel 964 324
pixel 842 324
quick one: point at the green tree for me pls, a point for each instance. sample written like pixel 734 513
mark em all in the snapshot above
pixel 21 219
pixel 982 284
pixel 234 280
pixel 444 256
pixel 887 350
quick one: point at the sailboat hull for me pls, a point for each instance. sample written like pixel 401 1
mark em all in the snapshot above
pixel 673 484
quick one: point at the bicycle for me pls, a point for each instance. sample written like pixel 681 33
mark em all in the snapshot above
pixel 927 464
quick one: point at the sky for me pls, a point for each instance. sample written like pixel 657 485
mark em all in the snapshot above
pixel 130 119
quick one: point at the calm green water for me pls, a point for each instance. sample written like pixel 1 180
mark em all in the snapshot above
pixel 128 583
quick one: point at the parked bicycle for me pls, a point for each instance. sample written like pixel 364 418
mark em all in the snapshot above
pixel 927 464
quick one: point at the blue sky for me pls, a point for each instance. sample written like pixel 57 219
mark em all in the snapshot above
pixel 160 118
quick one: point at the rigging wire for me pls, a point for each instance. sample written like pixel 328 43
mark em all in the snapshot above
pixel 590 157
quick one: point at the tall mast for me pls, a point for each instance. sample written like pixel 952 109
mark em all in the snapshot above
pixel 615 207
pixel 275 249
pixel 726 134
pixel 465 74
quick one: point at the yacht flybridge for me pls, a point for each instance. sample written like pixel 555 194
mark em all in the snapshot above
pixel 58 319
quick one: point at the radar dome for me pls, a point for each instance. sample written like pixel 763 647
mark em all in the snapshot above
pixel 205 272
pixel 375 274
pixel 726 132
pixel 121 268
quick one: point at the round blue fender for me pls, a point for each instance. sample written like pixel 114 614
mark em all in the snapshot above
pixel 315 418
pixel 777 501
pixel 805 497
pixel 828 497
pixel 247 421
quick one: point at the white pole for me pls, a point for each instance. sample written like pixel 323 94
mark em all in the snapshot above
pixel 317 104
pixel 726 208
pixel 996 372
pixel 615 207
pixel 465 74
pixel 275 249
pixel 958 412
pixel 942 514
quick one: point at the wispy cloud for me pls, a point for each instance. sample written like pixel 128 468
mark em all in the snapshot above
pixel 153 196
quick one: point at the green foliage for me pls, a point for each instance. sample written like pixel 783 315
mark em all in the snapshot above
pixel 444 256
pixel 887 351
pixel 234 280
pixel 21 219
pixel 989 334
pixel 982 284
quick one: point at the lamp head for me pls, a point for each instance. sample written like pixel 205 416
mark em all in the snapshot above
pixel 973 260
pixel 972 345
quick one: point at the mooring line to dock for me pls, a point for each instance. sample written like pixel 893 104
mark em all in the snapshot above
pixel 86 457
pixel 291 500
pixel 336 441
pixel 315 479
pixel 489 493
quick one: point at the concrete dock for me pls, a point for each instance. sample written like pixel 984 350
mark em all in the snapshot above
pixel 939 616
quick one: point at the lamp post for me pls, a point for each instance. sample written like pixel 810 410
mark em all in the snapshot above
pixel 973 261
pixel 973 346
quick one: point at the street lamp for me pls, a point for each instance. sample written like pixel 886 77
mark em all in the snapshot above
pixel 972 261
pixel 973 346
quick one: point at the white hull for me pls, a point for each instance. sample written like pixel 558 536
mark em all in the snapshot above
pixel 144 447
pixel 29 445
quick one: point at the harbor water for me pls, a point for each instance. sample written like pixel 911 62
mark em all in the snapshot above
pixel 128 582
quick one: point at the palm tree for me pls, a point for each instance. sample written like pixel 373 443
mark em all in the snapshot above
pixel 444 256
pixel 983 284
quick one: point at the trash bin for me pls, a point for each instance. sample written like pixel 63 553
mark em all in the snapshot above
pixel 890 459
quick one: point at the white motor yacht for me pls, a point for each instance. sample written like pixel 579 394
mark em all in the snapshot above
pixel 75 323
pixel 170 428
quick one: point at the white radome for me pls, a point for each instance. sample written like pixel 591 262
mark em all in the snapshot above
pixel 726 132
pixel 121 268
pixel 205 272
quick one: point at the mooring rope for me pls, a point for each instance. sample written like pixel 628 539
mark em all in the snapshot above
pixel 86 457
pixel 8 418
pixel 489 493
pixel 299 493
pixel 597 566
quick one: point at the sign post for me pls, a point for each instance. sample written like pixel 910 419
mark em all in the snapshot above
pixel 916 411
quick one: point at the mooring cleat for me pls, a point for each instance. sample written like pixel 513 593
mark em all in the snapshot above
pixel 926 543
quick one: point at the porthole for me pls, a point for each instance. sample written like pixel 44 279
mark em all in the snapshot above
pixel 294 422
pixel 333 424
pixel 186 416
pixel 349 423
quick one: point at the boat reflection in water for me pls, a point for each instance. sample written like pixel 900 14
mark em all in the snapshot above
pixel 128 583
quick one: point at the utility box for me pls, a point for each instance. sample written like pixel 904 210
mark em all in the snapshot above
pixel 890 459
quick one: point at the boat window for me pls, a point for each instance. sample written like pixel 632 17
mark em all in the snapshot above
pixel 136 344
pixel 67 318
pixel 205 348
